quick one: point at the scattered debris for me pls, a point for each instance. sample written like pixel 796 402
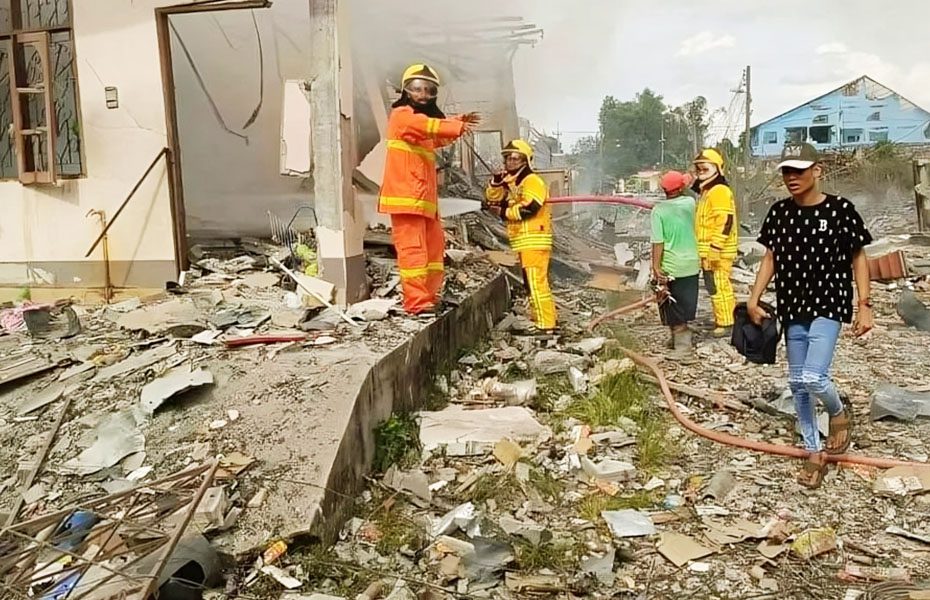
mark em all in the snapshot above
pixel 117 437
pixel 628 523
pixel 468 432
pixel 892 401
pixel 175 381
pixel 914 312
pixel 681 549
pixel 814 542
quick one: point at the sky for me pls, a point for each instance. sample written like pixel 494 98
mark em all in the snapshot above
pixel 798 50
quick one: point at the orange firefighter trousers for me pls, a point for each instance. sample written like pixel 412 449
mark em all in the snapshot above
pixel 420 244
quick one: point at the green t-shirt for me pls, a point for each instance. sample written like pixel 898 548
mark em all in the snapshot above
pixel 673 225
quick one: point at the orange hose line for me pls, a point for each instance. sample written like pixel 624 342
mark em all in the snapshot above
pixel 616 313
pixel 768 448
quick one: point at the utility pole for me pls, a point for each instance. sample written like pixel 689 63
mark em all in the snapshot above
pixel 662 144
pixel 747 145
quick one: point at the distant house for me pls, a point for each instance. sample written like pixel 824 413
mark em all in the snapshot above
pixel 644 182
pixel 860 113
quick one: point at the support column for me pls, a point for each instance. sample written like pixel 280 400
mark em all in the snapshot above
pixel 342 224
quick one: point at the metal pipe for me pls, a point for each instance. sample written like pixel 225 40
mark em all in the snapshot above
pixel 108 281
pixel 93 246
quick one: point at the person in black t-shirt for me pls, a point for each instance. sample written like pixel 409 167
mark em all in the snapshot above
pixel 815 250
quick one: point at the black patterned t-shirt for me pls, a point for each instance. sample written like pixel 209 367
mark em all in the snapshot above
pixel 813 248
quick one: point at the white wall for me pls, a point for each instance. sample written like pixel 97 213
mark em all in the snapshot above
pixel 229 185
pixel 45 227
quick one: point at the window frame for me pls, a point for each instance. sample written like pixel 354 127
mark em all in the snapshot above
pixel 769 137
pixel 17 38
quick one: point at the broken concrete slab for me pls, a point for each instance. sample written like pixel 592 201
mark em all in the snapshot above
pixel 175 381
pixel 628 523
pixel 914 312
pixel 180 318
pixel 602 567
pixel 531 532
pixel 463 432
pixel 43 398
pixel 578 380
pixel 20 368
pixel 374 309
pixel 550 362
pixel 903 481
pixel 136 362
pixel 589 345
pixel 261 280
pixel 117 436
pixel 307 283
pixel 415 482
pixel 892 401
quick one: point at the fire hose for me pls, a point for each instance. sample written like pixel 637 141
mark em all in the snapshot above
pixel 628 201
pixel 736 441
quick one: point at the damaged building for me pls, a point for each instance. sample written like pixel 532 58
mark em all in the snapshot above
pixel 163 123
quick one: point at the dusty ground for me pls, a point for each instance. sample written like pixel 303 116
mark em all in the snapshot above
pixel 392 535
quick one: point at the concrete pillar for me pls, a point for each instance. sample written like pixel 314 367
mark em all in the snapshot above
pixel 342 224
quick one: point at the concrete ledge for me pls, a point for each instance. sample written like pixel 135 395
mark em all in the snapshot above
pixel 399 382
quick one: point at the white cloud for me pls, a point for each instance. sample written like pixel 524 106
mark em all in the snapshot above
pixel 832 48
pixel 705 42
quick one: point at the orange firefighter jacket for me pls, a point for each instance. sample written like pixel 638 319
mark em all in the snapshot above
pixel 409 184
pixel 521 198
pixel 715 223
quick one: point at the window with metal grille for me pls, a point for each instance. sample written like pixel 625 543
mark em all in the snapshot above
pixel 40 130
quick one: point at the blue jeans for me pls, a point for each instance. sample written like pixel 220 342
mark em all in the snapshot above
pixel 810 347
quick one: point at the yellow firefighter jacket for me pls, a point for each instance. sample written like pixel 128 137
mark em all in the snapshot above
pixel 521 198
pixel 715 222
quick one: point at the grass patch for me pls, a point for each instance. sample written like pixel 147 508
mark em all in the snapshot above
pixel 397 442
pixel 557 556
pixel 549 388
pixel 591 506
pixel 502 488
pixel 618 396
pixel 625 396
pixel 550 488
pixel 652 443
pixel 397 530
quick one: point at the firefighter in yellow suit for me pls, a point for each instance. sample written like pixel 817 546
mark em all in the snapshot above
pixel 518 196
pixel 717 232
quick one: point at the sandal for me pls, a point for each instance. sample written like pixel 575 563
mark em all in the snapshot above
pixel 840 427
pixel 813 471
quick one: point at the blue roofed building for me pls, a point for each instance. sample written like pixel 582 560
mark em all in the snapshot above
pixel 860 113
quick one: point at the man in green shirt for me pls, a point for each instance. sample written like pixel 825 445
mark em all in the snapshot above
pixel 675 261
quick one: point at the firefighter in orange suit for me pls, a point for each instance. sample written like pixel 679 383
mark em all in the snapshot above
pixel 519 196
pixel 416 128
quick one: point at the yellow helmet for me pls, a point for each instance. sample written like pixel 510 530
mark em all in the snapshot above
pixel 520 147
pixel 712 156
pixel 420 71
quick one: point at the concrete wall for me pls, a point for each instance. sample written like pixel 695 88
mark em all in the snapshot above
pixel 232 179
pixel 847 119
pixel 44 232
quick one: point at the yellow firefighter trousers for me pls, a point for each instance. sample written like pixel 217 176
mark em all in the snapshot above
pixel 536 273
pixel 724 301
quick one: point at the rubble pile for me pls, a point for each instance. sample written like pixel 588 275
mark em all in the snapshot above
pixel 97 401
pixel 554 471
